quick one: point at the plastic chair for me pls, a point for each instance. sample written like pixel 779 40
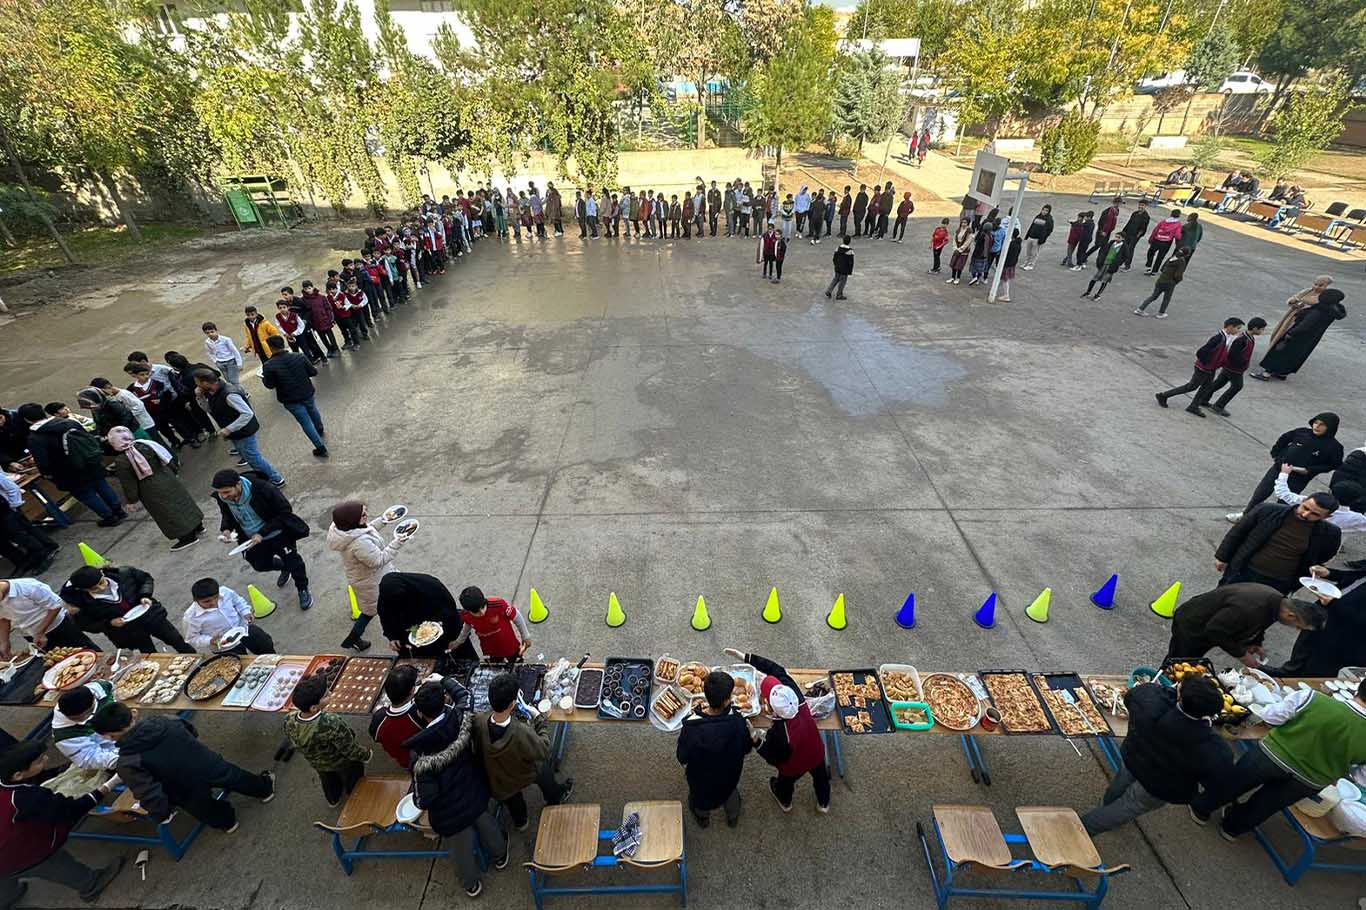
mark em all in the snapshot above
pixel 1335 209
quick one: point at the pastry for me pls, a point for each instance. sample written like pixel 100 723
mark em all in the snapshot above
pixel 1021 710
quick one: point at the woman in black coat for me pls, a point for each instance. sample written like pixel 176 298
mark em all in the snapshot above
pixel 1294 347
pixel 409 598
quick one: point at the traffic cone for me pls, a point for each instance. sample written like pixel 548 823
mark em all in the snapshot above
pixel 90 556
pixel 355 607
pixel 1038 610
pixel 1105 597
pixel 986 613
pixel 261 605
pixel 772 612
pixel 615 614
pixel 835 618
pixel 701 622
pixel 538 611
pixel 1165 605
pixel 905 617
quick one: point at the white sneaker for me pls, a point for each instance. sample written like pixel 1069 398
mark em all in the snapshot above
pixel 1138 312
pixel 950 280
pixel 1160 316
pixel 1233 517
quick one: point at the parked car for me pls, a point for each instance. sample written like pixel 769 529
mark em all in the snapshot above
pixel 1161 81
pixel 1243 82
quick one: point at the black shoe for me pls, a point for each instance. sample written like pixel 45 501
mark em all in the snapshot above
pixel 305 599
pixel 703 821
pixel 1222 412
pixel 358 645
pixel 1192 409
pixel 568 790
pixel 502 861
pixel 1161 399
pixel 282 579
pixel 840 297
pixel 827 293
pixel 102 878
pixel 279 483
pixel 185 542
pixel 109 522
pixel 321 452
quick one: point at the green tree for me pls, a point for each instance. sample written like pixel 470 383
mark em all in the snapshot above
pixel 700 39
pixel 792 91
pixel 867 101
pixel 1305 124
pixel 979 67
pixel 1313 35
pixel 1069 143
pixel 1210 62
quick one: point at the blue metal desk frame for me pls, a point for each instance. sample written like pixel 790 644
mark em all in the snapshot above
pixel 540 888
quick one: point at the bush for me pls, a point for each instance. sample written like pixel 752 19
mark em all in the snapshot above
pixel 1068 144
pixel 20 214
pixel 1205 151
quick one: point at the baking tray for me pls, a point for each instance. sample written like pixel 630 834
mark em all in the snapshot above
pixel 1066 679
pixel 376 667
pixel 529 678
pixel 1049 729
pixel 638 673
pixel 243 692
pixel 751 677
pixel 264 701
pixel 879 718
pixel 590 684
pixel 230 677
pixel 908 670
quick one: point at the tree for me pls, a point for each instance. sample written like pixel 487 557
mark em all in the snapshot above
pixel 1313 35
pixel 1306 123
pixel 932 21
pixel 867 96
pixel 700 39
pixel 980 65
pixel 1069 143
pixel 1210 63
pixel 792 91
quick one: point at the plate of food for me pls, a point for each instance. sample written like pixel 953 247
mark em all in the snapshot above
pixel 953 704
pixel 137 612
pixel 1013 694
pixel 859 701
pixel 1320 586
pixel 135 680
pixel 72 671
pixel 425 633
pixel 669 707
pixel 166 688
pixel 406 528
pixel 18 661
pixel 394 513
pixel 901 682
pixel 213 678
pixel 666 669
pixel 745 690
pixel 407 812
pixel 690 678
pixel 231 638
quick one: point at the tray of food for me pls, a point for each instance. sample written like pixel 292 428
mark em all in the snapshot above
pixel 167 687
pixel 1174 670
pixel 859 701
pixel 329 666
pixel 359 685
pixel 55 656
pixel 274 695
pixel 17 662
pixel 70 672
pixel 625 688
pixel 588 692
pixel 479 685
pixel 691 675
pixel 952 701
pixel 1070 702
pixel 135 680
pixel 745 691
pixel 1109 694
pixel 254 676
pixel 1012 693
pixel 912 715
pixel 425 667
pixel 900 682
pixel 666 670
pixel 669 707
pixel 529 678
pixel 213 677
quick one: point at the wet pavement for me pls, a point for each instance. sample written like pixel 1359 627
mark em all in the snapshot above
pixel 651 418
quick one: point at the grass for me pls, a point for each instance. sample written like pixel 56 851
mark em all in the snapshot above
pixel 94 245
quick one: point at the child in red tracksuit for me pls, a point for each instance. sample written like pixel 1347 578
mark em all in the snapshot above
pixel 1235 365
pixel 938 240
pixel 502 631
pixel 779 253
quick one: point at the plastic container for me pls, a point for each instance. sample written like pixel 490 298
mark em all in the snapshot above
pixel 919 705
pixel 906 669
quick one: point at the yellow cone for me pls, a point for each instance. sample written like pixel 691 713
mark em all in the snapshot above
pixel 538 611
pixel 1165 605
pixel 701 621
pixel 261 605
pixel 355 607
pixel 1038 610
pixel 772 612
pixel 836 618
pixel 91 557
pixel 615 614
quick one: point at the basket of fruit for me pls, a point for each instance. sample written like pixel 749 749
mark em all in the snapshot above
pixel 1175 670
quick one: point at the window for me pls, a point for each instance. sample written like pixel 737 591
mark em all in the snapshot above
pixel 435 6
pixel 1237 78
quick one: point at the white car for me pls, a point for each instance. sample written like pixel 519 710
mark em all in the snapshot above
pixel 1244 82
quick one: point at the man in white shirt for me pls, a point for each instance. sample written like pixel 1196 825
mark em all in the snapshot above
pixel 40 616
pixel 24 543
pixel 217 610
pixel 1346 520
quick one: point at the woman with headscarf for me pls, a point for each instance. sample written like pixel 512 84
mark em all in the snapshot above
pixel 147 475
pixel 108 413
pixel 1300 329
pixel 409 598
pixel 793 744
pixel 366 558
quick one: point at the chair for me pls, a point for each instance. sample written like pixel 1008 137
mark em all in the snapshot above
pixel 1102 188
pixel 370 810
pixel 970 840
pixel 1313 834
pixel 568 839
pixel 1335 209
pixel 124 809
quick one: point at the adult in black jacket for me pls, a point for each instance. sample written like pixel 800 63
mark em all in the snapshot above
pixel 289 374
pixel 101 598
pixel 1134 230
pixel 1342 640
pixel 1171 751
pixel 860 208
pixel 1276 544
pixel 711 748
pixel 1235 618
pixel 1348 482
pixel 449 782
pixel 277 535
pixel 1037 235
pixel 166 766
pixel 72 464
pixel 1289 352
pixel 1310 450
pixel 182 381
pixel 409 598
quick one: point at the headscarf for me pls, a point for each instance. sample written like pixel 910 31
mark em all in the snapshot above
pixel 1329 296
pixel 121 440
pixel 346 515
pixel 407 598
pixel 90 397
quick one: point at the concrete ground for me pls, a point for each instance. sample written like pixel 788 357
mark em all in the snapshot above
pixel 651 418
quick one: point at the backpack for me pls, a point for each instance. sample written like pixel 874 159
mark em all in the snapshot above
pixel 82 450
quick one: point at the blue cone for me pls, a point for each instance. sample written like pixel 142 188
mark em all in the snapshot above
pixel 986 613
pixel 1105 597
pixel 905 617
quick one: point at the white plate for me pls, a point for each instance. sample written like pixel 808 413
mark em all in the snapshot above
pixel 405 523
pixel 1320 586
pixel 242 547
pixel 50 677
pixel 413 641
pixel 398 511
pixel 136 613
pixel 675 722
pixel 407 811
pixel 231 638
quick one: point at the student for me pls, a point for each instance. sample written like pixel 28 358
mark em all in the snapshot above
pixel 222 353
pixel 846 206
pixel 35 823
pixel 815 217
pixel 860 210
pixel 801 206
pixel 102 596
pixel 174 400
pixel 1088 227
pixel 688 213
pixel 1107 263
pixel 366 557
pixel 787 218
pixel 394 723
pixel 1348 482
pixel 711 748
pixel 325 740
pixel 362 317
pixel 552 211
pixel 146 427
pixel 1277 545
pixel 792 744
pixel 590 206
pixel 155 397
pixel 1073 238
pixel 166 766
pixel 780 255
pixel 1164 234
pixel 290 375
pixel 294 330
pixel 884 210
pixel 1037 235
pixel 449 785
pixel 236 421
pixel 962 248
pixel 71 731
pixel 675 218
pixel 1008 267
pixel 258 329
pixel 829 215
pixel 182 379
pixel 344 317
pixel 27 545
pixel 1171 753
pixel 1133 232
pixel 39 615
pixel 512 743
pixel 1105 226
pixel 981 253
pixel 770 252
pixel 502 631
pixel 1231 374
pixel 253 509
pixel 1173 270
pixel 1191 235
pixel 938 240
pixel 73 460
pixel 218 609
pixel 903 212
pixel 1310 450
pixel 1209 357
pixel 844 267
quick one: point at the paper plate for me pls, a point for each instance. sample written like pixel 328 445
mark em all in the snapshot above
pixel 412 636
pixel 137 612
pixel 241 547
pixel 393 513
pixel 410 524
pixel 407 811
pixel 1320 586
pixel 231 638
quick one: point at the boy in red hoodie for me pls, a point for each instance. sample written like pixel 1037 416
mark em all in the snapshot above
pixel 938 240
pixel 502 631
